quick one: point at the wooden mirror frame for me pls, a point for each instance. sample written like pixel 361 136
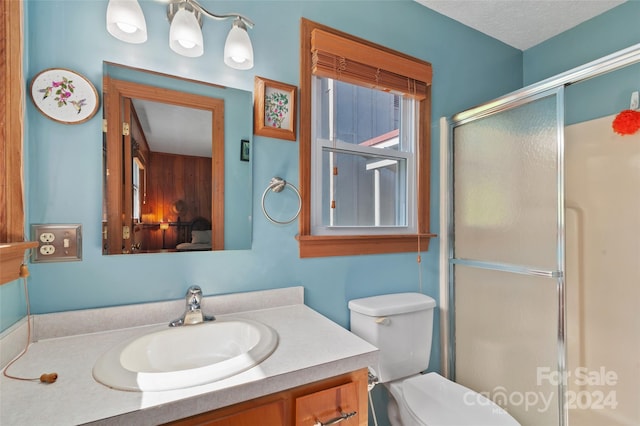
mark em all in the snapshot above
pixel 114 91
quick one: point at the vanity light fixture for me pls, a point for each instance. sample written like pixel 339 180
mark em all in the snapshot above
pixel 126 22
pixel 238 51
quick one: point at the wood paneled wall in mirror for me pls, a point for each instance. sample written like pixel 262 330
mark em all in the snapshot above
pixel 172 181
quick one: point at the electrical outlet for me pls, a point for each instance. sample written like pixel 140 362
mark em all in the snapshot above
pixel 47 249
pixel 47 237
pixel 57 243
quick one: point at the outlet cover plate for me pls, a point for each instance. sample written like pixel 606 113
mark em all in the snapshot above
pixel 56 242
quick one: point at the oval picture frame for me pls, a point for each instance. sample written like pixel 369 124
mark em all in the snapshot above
pixel 64 95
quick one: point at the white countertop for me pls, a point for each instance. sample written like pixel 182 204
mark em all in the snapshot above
pixel 311 347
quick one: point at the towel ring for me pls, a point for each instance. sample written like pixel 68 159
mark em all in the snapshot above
pixel 278 184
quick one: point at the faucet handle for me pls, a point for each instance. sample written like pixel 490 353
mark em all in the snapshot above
pixel 194 297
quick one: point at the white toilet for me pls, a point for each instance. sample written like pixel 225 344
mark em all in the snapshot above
pixel 400 326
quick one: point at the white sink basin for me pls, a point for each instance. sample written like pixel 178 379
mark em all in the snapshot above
pixel 180 357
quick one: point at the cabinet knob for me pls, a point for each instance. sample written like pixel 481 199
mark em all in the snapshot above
pixel 335 420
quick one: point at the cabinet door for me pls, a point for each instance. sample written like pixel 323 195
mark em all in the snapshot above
pixel 337 405
pixel 270 414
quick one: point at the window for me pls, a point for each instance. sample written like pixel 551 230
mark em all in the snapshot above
pixel 139 190
pixel 363 160
pixel 364 146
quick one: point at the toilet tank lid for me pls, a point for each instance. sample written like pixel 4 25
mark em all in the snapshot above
pixel 392 304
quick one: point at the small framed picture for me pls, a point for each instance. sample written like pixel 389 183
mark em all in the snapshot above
pixel 244 150
pixel 64 95
pixel 274 109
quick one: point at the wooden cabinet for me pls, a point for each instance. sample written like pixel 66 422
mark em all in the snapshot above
pixel 338 404
pixel 323 401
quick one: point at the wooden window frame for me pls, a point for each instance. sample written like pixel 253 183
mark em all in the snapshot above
pixel 12 243
pixel 343 245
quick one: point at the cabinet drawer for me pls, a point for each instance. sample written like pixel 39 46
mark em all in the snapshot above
pixel 339 403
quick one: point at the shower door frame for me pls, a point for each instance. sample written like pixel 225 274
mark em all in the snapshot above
pixel 612 62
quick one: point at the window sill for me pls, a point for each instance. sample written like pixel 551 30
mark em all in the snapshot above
pixel 348 245
pixel 11 257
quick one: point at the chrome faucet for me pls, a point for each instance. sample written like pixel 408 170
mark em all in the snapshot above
pixel 193 314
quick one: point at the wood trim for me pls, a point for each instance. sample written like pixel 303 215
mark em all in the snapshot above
pixel 11 257
pixel 325 246
pixel 113 172
pixel 321 246
pixel 11 139
pixel 217 176
pixel 126 190
pixel 423 187
pixel 304 141
pixel 11 123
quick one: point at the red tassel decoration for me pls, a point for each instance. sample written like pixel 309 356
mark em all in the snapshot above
pixel 627 122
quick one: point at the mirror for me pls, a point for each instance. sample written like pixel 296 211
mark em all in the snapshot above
pixel 177 177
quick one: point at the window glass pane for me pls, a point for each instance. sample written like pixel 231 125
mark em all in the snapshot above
pixel 136 190
pixel 368 190
pixel 358 115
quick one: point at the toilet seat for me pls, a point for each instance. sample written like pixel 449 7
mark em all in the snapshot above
pixel 435 401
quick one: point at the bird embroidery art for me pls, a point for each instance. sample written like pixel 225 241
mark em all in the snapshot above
pixel 63 90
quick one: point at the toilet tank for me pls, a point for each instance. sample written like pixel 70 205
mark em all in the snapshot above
pixel 401 326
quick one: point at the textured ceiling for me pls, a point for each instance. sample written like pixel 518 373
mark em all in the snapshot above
pixel 521 23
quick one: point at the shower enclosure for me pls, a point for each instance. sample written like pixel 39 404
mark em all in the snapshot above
pixel 542 280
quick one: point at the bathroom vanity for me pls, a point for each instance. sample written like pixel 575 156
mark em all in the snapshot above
pixel 316 373
pixel 340 399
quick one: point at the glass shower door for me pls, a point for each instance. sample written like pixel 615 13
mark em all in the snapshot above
pixel 506 256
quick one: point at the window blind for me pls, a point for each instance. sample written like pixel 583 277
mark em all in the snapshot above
pixel 366 65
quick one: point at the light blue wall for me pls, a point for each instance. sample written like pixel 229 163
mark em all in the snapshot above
pixel 612 31
pixel 64 162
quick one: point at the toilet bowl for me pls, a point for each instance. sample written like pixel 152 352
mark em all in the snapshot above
pixel 432 400
pixel 401 326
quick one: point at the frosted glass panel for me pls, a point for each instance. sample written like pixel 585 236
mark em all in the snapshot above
pixel 505 186
pixel 506 341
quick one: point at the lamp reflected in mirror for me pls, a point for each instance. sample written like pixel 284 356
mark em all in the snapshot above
pixel 163 227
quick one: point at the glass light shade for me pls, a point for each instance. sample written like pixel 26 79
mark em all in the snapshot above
pixel 238 51
pixel 125 21
pixel 185 36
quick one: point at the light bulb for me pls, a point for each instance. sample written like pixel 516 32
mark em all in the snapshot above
pixel 186 44
pixel 238 51
pixel 185 36
pixel 127 28
pixel 125 21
